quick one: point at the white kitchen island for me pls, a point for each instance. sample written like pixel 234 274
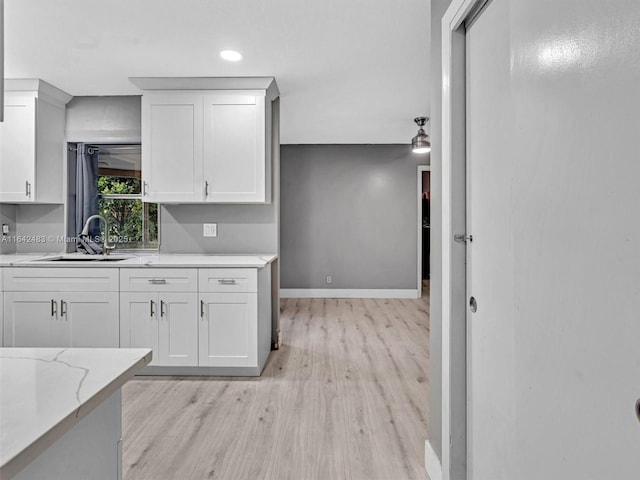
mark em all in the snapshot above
pixel 60 411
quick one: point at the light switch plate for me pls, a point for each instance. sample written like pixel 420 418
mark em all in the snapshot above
pixel 5 229
pixel 209 229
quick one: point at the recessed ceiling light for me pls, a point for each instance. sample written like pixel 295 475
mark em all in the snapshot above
pixel 231 55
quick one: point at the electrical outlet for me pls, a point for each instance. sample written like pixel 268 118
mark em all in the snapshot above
pixel 329 279
pixel 5 229
pixel 209 229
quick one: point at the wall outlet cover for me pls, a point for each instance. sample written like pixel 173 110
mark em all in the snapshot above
pixel 210 229
pixel 329 279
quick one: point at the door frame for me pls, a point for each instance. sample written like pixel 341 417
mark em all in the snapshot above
pixel 455 400
pixel 421 169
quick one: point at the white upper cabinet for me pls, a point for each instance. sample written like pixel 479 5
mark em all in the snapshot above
pixel 234 149
pixel 172 148
pixel 32 143
pixel 207 139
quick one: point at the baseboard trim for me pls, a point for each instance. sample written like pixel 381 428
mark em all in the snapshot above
pixel 347 293
pixel 432 462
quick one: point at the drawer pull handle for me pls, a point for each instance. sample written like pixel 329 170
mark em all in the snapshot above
pixel 54 307
pixel 63 308
pixel 225 281
pixel 157 281
pixel 152 310
pixel 201 308
pixel 162 308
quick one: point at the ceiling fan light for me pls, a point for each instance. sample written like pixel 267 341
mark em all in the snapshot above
pixel 420 143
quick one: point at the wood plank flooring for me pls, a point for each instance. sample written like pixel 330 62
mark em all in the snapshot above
pixel 344 398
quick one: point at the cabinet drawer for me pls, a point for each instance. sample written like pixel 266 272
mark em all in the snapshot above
pixel 228 280
pixel 60 279
pixel 158 280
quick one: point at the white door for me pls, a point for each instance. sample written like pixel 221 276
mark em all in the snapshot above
pixel 139 321
pixel 172 148
pixel 228 329
pixel 18 149
pixel 32 319
pixel 490 382
pixel 553 109
pixel 93 319
pixel 234 148
pixel 178 329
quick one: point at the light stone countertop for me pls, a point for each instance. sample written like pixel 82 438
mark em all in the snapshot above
pixel 44 392
pixel 8 259
pixel 127 259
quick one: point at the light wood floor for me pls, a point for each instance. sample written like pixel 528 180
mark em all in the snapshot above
pixel 344 398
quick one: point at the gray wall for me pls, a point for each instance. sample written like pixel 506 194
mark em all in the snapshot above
pixel 39 228
pixel 438 7
pixel 241 229
pixel 104 119
pixel 8 217
pixel 349 211
pixel 40 221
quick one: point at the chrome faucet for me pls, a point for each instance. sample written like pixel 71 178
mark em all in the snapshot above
pixel 85 231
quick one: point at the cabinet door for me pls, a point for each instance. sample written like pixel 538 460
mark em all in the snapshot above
pixel 228 330
pixel 92 318
pixel 32 319
pixel 172 148
pixel 234 149
pixel 139 322
pixel 18 149
pixel 178 325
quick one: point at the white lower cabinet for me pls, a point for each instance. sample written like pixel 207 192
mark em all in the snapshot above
pixel 197 321
pixel 60 307
pixel 228 333
pixel 60 319
pixel 1 315
pixel 166 322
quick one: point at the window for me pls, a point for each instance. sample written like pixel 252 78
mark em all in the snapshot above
pixel 132 222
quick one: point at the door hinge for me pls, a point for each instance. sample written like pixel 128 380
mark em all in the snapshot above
pixel 462 238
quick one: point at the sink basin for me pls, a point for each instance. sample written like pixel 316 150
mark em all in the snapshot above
pixel 87 258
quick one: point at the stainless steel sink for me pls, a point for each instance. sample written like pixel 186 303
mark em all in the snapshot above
pixel 87 258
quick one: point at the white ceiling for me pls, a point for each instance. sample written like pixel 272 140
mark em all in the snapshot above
pixel 349 71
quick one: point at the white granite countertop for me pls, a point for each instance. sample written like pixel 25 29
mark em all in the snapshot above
pixel 46 391
pixel 8 259
pixel 137 260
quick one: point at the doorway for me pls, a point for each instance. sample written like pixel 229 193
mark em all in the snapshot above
pixel 424 228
